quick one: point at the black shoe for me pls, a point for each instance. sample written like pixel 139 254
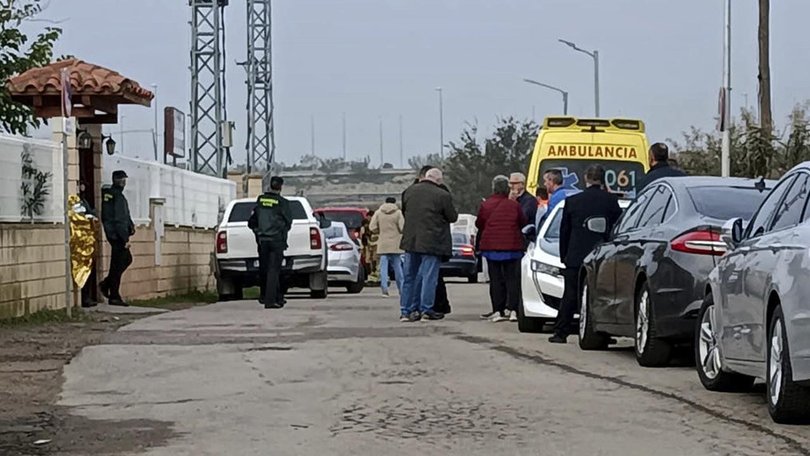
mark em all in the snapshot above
pixel 89 304
pixel 432 316
pixel 414 316
pixel 104 289
pixel 273 306
pixel 558 339
pixel 118 302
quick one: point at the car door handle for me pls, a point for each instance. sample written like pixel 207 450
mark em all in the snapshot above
pixel 775 247
pixel 744 249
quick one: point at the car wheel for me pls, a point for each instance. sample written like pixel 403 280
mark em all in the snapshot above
pixel 588 338
pixel 473 278
pixel 358 286
pixel 788 402
pixel 651 351
pixel 708 359
pixel 529 324
pixel 228 290
pixel 319 294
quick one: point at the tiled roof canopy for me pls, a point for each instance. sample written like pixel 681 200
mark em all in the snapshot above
pixel 96 91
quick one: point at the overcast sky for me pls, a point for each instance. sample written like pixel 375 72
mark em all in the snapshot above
pixel 661 61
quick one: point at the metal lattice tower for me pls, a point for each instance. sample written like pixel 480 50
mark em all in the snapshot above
pixel 207 86
pixel 261 146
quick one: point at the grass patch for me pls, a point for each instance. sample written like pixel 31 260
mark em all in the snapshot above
pixel 178 302
pixel 47 316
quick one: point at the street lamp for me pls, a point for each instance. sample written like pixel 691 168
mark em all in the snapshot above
pixel 441 124
pixel 595 56
pixel 563 92
pixel 155 136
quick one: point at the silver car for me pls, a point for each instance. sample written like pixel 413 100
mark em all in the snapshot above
pixel 344 267
pixel 755 320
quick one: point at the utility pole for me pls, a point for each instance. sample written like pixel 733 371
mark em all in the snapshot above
pixel 382 157
pixel 595 56
pixel 401 145
pixel 725 105
pixel 312 134
pixel 344 136
pixel 765 114
pixel 441 124
pixel 563 92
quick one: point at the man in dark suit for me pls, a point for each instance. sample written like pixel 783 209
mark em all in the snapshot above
pixel 660 166
pixel 577 241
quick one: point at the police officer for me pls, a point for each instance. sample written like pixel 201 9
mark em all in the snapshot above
pixel 577 241
pixel 271 221
pixel 118 227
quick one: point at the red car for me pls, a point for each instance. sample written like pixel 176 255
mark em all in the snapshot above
pixel 352 217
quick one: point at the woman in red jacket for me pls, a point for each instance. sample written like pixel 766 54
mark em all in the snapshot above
pixel 500 220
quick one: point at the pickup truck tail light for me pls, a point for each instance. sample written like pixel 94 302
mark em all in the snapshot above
pixel 341 247
pixel 700 241
pixel 222 242
pixel 315 242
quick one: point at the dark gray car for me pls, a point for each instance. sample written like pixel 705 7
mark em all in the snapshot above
pixel 755 322
pixel 648 281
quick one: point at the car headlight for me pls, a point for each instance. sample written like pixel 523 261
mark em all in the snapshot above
pixel 544 268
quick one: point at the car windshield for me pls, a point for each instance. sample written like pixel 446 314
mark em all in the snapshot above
pixel 460 238
pixel 724 203
pixel 351 219
pixel 553 232
pixel 241 211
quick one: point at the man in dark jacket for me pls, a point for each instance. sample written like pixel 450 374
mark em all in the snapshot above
pixel 426 239
pixel 659 166
pixel 577 241
pixel 271 221
pixel 118 228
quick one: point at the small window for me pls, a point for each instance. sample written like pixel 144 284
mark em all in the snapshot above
pixel 654 213
pixel 790 209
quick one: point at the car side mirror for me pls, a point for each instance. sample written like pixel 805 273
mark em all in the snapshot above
pixel 732 232
pixel 598 225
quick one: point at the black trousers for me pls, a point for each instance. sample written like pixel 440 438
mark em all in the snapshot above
pixel 271 257
pixel 504 285
pixel 569 303
pixel 120 259
pixel 87 290
pixel 442 303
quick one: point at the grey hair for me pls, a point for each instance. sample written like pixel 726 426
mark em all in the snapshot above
pixel 500 185
pixel 435 175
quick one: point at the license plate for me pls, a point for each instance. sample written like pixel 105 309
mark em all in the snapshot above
pixel 255 263
pixel 283 263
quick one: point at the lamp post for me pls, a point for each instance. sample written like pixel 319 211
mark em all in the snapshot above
pixel 725 98
pixel 441 124
pixel 155 136
pixel 563 92
pixel 595 56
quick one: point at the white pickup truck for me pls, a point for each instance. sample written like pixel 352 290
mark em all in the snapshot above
pixel 237 258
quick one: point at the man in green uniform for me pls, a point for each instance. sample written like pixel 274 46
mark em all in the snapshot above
pixel 271 221
pixel 118 227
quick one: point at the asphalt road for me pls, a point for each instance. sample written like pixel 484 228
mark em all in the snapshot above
pixel 343 377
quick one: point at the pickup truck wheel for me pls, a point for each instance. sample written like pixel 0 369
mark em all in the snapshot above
pixel 228 290
pixel 318 294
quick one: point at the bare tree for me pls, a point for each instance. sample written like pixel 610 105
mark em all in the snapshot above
pixel 765 115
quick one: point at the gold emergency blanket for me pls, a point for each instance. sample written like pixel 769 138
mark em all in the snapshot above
pixel 82 241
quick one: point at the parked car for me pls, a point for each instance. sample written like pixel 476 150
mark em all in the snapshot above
pixel 351 217
pixel 648 281
pixel 754 321
pixel 463 263
pixel 344 267
pixel 541 275
pixel 237 259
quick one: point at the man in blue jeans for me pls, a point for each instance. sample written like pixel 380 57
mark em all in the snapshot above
pixel 428 209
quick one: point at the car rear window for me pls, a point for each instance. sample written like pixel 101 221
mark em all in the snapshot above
pixel 460 238
pixel 725 203
pixel 241 211
pixel 349 218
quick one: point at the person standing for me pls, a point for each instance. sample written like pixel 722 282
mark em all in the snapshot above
pixel 118 227
pixel 271 221
pixel 553 182
pixel 517 191
pixel 388 223
pixel 428 210
pixel 577 241
pixel 500 220
pixel 660 166
pixel 90 213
